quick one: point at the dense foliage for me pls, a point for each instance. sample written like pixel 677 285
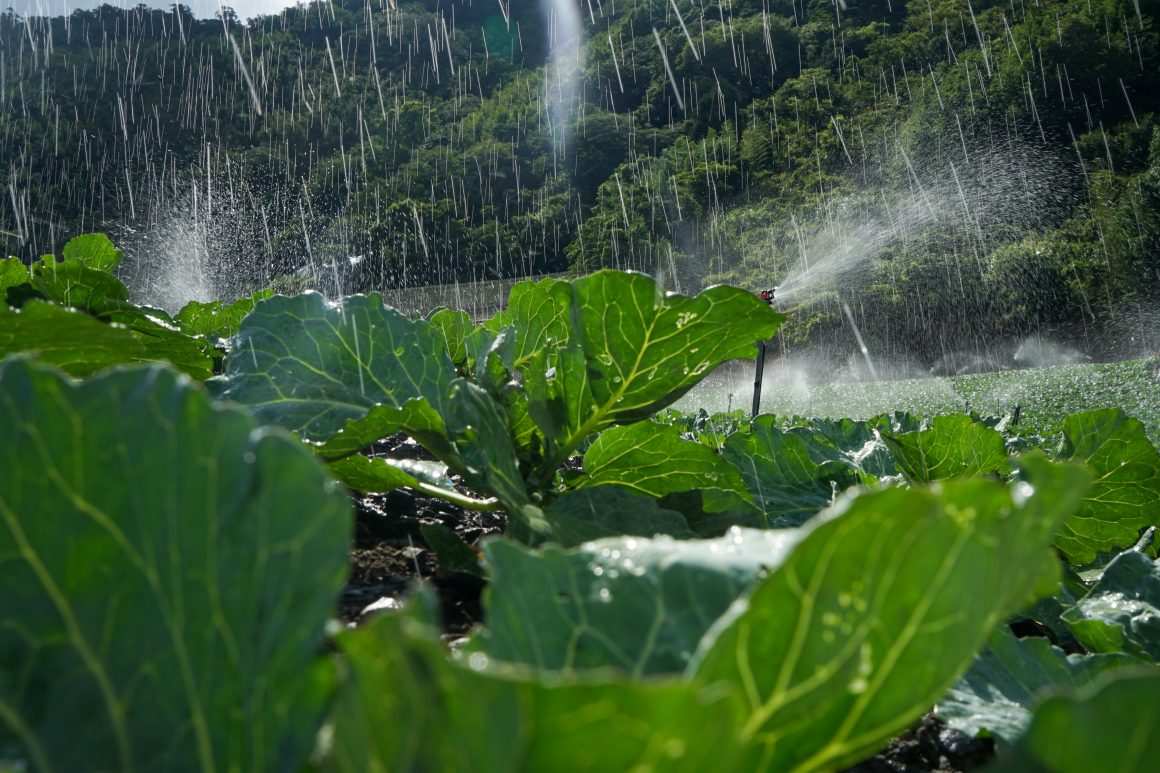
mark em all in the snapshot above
pixel 960 170
pixel 747 595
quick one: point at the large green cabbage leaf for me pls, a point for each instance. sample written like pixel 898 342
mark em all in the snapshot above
pixel 216 318
pixel 69 339
pixel 610 511
pixel 632 350
pixel 167 573
pixel 653 460
pixel 1122 611
pixel 784 480
pixel 1010 676
pixel 639 605
pixel 310 365
pixel 1111 724
pixel 1125 496
pixel 874 615
pixel 955 446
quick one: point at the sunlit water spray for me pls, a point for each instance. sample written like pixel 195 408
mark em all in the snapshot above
pixel 982 201
pixel 565 65
pixel 958 210
pixel 209 239
pixel 177 268
pixel 218 239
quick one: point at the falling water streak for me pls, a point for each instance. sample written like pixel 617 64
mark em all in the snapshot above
pixel 334 70
pixel 685 29
pixel 841 138
pixel 566 57
pixel 615 63
pixel 245 73
pixel 16 212
pixel 1131 109
pixel 962 139
pixel 918 182
pixel 982 40
pixel 623 208
pixel 306 236
pixel 1079 155
pixel 966 207
pixel 861 343
pixel 362 389
pixel 668 69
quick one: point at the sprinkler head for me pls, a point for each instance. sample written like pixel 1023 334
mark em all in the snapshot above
pixel 767 295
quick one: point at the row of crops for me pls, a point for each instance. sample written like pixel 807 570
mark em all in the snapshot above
pixel 671 593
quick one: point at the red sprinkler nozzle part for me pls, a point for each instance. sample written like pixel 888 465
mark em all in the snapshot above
pixel 767 296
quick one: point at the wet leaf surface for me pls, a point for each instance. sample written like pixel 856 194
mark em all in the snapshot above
pixel 169 571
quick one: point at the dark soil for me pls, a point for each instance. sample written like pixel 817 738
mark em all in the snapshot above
pixel 389 554
pixel 930 746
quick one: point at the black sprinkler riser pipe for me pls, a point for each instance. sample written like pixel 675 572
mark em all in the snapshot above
pixel 759 365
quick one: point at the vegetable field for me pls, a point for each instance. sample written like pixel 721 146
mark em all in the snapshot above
pixel 669 591
pixel 1044 396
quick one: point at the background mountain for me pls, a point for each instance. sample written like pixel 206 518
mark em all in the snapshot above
pixel 943 173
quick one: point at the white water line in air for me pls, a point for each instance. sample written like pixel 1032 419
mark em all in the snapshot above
pixel 861 343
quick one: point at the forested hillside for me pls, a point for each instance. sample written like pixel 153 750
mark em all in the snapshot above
pixel 940 170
